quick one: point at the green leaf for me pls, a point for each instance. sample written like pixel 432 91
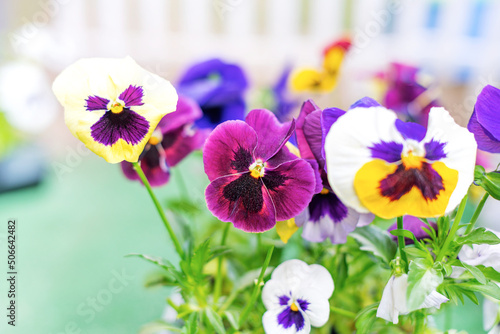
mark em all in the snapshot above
pixel 416 253
pixel 475 272
pixel 376 241
pixel 490 273
pixel 366 318
pixel 215 320
pixel 173 273
pixel 488 181
pixel 490 289
pixel 404 233
pixel 422 280
pixel 233 318
pixel 156 326
pixel 478 236
pixel 191 326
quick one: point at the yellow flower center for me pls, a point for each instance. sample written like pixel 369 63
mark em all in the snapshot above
pixel 257 169
pixel 324 191
pixel 156 138
pixel 412 161
pixel 116 107
pixel 294 307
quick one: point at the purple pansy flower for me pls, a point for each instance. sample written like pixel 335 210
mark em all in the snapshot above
pixel 484 122
pixel 296 298
pixel 173 139
pixel 414 225
pixel 326 216
pixel 405 95
pixel 218 88
pixel 255 180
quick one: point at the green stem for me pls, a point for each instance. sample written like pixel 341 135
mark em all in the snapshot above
pixel 419 322
pixel 218 278
pixel 476 213
pixel 145 181
pixel 345 313
pixel 453 231
pixel 401 243
pixel 256 289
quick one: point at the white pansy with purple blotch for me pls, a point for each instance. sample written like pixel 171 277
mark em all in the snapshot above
pixel 296 298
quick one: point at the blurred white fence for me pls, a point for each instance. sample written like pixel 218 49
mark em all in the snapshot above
pixel 457 38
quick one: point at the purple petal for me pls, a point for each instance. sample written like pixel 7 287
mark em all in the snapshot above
pixel 388 151
pixel 328 117
pixel 187 111
pixel 156 176
pixel 96 103
pixel 214 115
pixel 434 150
pixel 242 200
pixel 229 149
pixel 271 134
pixel 126 125
pixel 486 109
pixel 414 225
pixel 132 96
pixel 181 143
pixel 365 102
pixel 485 140
pixel 411 130
pixel 291 187
pixel 288 318
pixel 284 300
pixel 319 180
pixel 314 136
pixel 307 108
pixel 328 204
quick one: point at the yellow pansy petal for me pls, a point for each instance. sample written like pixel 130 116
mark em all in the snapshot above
pixel 306 80
pixel 286 229
pixel 367 184
pixel 333 60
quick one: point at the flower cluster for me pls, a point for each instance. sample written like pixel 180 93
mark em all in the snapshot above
pixel 351 172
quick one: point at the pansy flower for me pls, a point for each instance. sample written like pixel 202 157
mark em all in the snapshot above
pixel 326 216
pixel 174 138
pixel 484 122
pixel 113 105
pixel 394 302
pixel 377 163
pixel 218 87
pixel 296 298
pixel 483 254
pixel 406 95
pixel 254 179
pixel 325 79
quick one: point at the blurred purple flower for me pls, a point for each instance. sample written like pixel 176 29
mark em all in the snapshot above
pixel 326 216
pixel 218 88
pixel 484 123
pixel 283 104
pixel 405 95
pixel 255 179
pixel 173 139
pixel 414 225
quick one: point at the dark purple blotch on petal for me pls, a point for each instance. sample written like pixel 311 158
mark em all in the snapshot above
pixel 399 183
pixel 284 300
pixel 246 189
pixel 96 103
pixel 126 125
pixel 273 180
pixel 242 159
pixel 287 318
pixel 304 304
pixel 434 150
pixel 388 151
pixel 411 130
pixel 327 204
pixel 132 96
